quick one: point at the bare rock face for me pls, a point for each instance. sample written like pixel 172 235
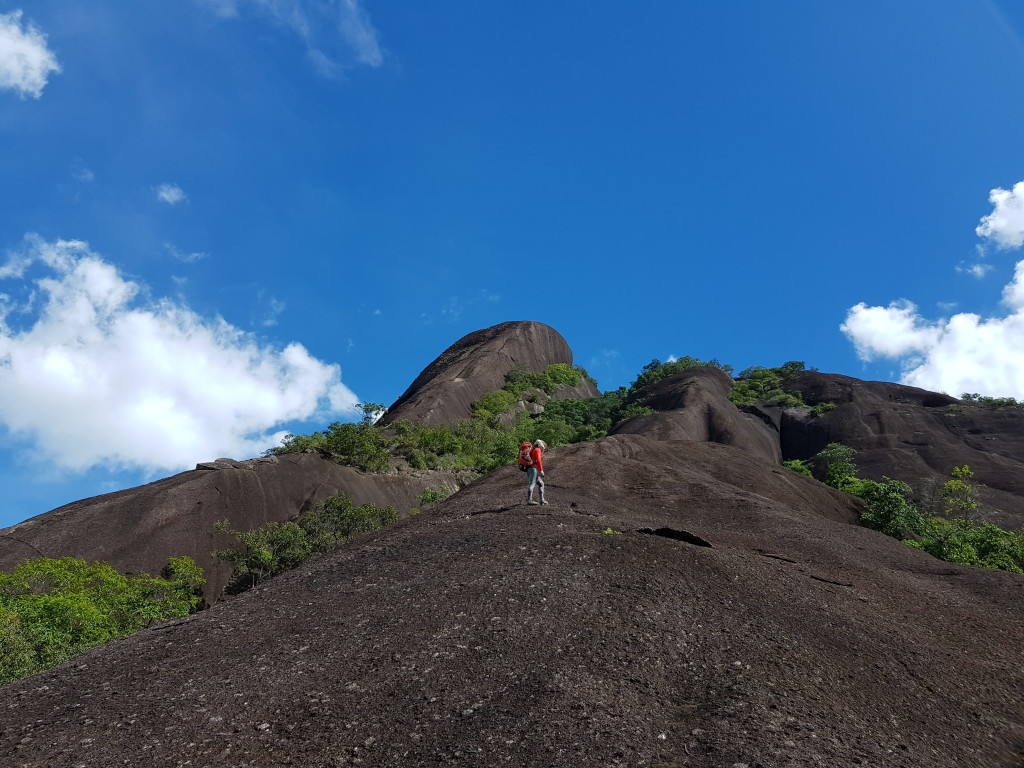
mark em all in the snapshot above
pixel 695 405
pixel 913 435
pixel 677 603
pixel 138 529
pixel 477 364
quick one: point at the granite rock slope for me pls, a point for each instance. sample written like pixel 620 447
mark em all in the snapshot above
pixel 731 615
pixel 138 529
pixel 477 364
pixel 695 405
pixel 913 435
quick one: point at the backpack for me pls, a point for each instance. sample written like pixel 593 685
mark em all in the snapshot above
pixel 525 460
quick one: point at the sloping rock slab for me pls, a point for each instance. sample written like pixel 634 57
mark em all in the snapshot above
pixel 477 364
pixel 694 405
pixel 487 633
pixel 136 530
pixel 913 435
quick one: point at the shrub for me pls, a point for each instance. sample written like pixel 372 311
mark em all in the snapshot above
pixel 430 496
pixel 764 385
pixel 493 403
pixel 656 370
pixel 52 609
pixel 800 466
pixel 278 547
pixel 991 402
pixel 822 408
pixel 972 543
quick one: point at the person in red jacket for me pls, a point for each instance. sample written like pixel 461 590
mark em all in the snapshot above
pixel 535 472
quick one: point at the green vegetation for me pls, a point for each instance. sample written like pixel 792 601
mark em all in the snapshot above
pixel 359 444
pixel 278 547
pixel 656 370
pixel 518 380
pixel 836 460
pixel 487 440
pixel 990 402
pixel 611 532
pixel 430 496
pixel 54 609
pixel 822 408
pixel 490 438
pixel 948 536
pixel 764 385
pixel 799 465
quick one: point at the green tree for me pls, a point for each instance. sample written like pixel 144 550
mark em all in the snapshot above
pixel 960 493
pixel 889 509
pixel 836 463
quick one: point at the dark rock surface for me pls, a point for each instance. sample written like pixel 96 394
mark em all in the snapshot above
pixel 477 364
pixel 136 530
pixel 694 405
pixel 486 632
pixel 682 601
pixel 913 435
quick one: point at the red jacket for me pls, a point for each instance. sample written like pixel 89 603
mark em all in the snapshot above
pixel 536 455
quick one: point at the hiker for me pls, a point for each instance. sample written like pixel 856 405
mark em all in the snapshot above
pixel 535 471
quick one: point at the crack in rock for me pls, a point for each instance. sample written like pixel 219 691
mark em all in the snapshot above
pixel 677 535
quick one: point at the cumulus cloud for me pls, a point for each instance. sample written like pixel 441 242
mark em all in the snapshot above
pixel 966 352
pixel 171 194
pixel 1005 225
pixel 98 375
pixel 334 31
pixel 25 61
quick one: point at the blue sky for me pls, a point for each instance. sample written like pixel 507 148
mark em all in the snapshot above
pixel 223 220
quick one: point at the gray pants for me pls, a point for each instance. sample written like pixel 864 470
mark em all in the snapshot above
pixel 535 480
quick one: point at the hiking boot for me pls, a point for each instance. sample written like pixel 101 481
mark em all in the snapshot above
pixel 543 502
pixel 533 503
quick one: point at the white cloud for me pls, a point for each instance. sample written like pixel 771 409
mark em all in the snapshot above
pixel 171 194
pixel 359 33
pixel 188 258
pixel 99 376
pixel 965 353
pixel 332 30
pixel 25 62
pixel 978 270
pixel 274 310
pixel 1005 225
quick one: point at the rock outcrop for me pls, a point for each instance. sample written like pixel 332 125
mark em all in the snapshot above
pixel 913 435
pixel 138 529
pixel 694 405
pixel 477 364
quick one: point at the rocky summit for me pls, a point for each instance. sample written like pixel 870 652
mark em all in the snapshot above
pixel 683 600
